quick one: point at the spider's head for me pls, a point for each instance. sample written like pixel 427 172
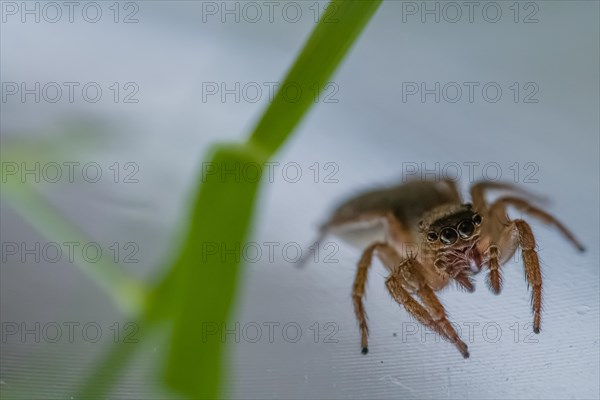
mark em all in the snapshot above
pixel 455 227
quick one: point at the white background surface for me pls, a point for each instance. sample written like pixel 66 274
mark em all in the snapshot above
pixel 369 133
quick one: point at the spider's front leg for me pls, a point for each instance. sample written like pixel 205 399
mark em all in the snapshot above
pixel 499 232
pixel 533 272
pixel 408 275
pixel 515 234
pixel 518 234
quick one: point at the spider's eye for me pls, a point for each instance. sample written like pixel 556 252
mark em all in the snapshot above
pixel 448 236
pixel 432 236
pixel 421 224
pixel 477 219
pixel 466 229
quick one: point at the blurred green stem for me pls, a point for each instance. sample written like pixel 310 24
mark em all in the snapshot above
pixel 203 290
pixel 128 293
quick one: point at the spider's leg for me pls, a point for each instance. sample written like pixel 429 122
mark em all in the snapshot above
pixel 478 193
pixel 358 292
pixel 436 309
pixel 494 277
pixel 533 273
pixel 433 314
pixel 505 237
pixel 518 234
pixel 536 212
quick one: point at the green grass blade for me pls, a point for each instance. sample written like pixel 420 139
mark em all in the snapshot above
pixel 205 284
pixel 326 47
pixel 109 368
pixel 203 288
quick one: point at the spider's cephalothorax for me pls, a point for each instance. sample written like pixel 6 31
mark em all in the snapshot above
pixel 454 241
pixel 449 238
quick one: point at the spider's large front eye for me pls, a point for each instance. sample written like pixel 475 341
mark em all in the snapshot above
pixel 466 229
pixel 477 219
pixel 448 236
pixel 432 236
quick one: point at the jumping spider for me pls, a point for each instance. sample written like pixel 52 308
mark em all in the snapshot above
pixel 454 241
